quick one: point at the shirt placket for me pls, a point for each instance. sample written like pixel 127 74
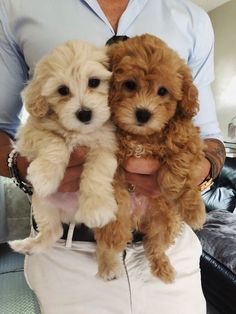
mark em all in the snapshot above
pixel 132 11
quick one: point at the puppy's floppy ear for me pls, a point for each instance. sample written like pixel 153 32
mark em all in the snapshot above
pixel 115 54
pixel 188 105
pixel 35 103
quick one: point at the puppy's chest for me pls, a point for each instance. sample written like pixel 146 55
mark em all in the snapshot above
pixel 74 140
pixel 140 147
pixel 92 140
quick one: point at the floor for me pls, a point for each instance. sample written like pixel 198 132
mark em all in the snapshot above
pixel 15 295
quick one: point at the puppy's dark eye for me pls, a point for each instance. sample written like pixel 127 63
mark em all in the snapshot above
pixel 63 90
pixel 162 91
pixel 130 85
pixel 94 82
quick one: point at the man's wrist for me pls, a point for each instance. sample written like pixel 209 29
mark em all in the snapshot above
pixel 207 183
pixel 15 175
pixel 5 148
pixel 215 153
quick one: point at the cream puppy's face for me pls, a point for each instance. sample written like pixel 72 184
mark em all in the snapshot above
pixel 71 84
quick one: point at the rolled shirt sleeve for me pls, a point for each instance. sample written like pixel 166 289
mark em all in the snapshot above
pixel 13 75
pixel 201 62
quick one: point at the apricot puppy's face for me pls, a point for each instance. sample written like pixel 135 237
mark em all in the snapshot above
pixel 147 85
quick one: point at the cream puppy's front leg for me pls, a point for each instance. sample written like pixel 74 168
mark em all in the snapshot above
pixel 47 170
pixel 97 205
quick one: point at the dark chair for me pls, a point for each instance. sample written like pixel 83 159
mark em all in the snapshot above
pixel 218 238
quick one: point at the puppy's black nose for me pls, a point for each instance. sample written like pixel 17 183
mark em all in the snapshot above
pixel 84 115
pixel 143 115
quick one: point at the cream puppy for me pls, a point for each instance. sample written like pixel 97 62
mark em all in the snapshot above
pixel 67 100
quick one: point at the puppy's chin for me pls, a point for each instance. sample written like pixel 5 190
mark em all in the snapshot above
pixel 142 130
pixel 82 128
pixel 88 129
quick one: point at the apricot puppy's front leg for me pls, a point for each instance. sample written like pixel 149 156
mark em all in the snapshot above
pixel 160 232
pixel 113 238
pixel 111 241
pixel 192 208
pixel 97 205
pixel 109 263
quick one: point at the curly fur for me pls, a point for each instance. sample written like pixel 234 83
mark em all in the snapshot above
pixel 147 64
pixel 54 129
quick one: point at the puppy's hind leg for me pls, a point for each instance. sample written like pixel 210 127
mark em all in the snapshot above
pixel 113 238
pixel 49 229
pixel 160 231
pixel 109 263
pixel 192 208
pixel 111 241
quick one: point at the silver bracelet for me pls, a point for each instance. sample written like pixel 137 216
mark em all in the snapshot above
pixel 13 170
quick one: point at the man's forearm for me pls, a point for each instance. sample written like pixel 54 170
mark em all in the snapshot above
pixel 215 153
pixel 5 148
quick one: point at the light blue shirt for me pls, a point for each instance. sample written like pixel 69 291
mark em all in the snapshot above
pixel 30 29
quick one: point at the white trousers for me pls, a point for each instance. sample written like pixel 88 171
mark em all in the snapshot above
pixel 65 281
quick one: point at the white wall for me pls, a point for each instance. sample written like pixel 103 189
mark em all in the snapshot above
pixel 224 23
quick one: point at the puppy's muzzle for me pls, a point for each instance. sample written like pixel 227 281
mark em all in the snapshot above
pixel 84 115
pixel 142 116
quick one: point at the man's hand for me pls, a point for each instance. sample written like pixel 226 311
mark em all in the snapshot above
pixel 142 173
pixel 71 180
pixel 204 172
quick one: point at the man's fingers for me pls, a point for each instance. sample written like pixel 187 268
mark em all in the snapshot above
pixel 144 184
pixel 72 174
pixel 78 156
pixel 72 186
pixel 71 180
pixel 204 172
pixel 142 165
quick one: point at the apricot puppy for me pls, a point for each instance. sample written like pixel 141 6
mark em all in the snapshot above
pixel 153 101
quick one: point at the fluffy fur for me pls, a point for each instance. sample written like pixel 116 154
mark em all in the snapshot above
pixel 153 101
pixel 67 100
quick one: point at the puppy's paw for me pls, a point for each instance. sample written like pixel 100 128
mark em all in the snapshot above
pixel 196 224
pixel 110 272
pixel 193 210
pixel 45 180
pixel 27 246
pixel 96 218
pixel 96 213
pixel 43 190
pixel 42 242
pixel 195 219
pixel 164 271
